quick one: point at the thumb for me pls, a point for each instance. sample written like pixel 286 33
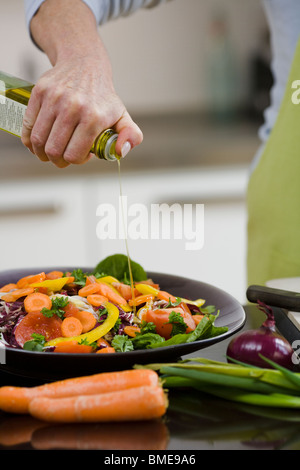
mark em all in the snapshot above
pixel 130 135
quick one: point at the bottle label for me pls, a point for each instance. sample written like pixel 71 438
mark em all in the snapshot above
pixel 11 115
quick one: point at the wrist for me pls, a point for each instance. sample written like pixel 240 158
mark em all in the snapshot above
pixel 65 29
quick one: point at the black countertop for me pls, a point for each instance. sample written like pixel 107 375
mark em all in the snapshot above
pixel 194 421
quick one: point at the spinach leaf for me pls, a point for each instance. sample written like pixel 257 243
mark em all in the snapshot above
pixel 117 266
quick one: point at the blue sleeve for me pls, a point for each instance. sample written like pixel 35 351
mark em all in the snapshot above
pixel 32 6
pixel 103 10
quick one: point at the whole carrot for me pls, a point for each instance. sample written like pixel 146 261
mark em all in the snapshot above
pixel 17 399
pixel 135 404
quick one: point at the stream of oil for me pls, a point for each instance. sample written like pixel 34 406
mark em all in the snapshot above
pixel 126 237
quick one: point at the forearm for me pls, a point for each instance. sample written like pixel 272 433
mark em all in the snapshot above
pixel 74 101
pixel 64 28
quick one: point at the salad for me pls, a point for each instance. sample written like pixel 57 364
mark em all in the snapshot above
pixel 99 312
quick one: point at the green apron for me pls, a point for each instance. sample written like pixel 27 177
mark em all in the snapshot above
pixel 273 198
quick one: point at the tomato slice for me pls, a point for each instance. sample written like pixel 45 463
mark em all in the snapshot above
pixel 36 322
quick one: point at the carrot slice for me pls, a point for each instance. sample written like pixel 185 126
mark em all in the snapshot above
pixel 16 399
pixel 142 299
pixel 87 320
pixel 73 347
pixel 17 294
pixel 136 404
pixel 163 295
pixel 89 289
pixel 54 275
pixel 8 298
pixel 131 330
pixel 111 294
pixel 125 290
pixel 96 300
pixel 71 326
pixel 25 281
pixel 90 280
pixel 36 322
pixel 8 287
pixel 107 350
pixel 36 301
pixel 102 343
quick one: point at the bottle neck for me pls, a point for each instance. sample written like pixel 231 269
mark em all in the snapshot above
pixel 105 145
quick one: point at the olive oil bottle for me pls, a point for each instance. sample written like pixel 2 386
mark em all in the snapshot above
pixel 14 97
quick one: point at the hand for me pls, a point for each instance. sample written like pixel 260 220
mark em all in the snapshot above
pixel 75 101
pixel 69 107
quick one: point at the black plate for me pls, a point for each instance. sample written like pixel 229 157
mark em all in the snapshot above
pixel 51 366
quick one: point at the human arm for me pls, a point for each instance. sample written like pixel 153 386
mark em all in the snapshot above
pixel 72 103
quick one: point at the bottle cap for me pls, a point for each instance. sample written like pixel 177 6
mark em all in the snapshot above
pixel 110 148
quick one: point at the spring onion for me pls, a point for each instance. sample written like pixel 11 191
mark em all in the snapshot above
pixel 269 387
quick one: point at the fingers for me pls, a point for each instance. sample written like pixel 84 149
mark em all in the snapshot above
pixel 130 135
pixel 30 117
pixel 62 129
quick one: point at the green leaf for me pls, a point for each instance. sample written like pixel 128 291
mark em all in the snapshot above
pixel 178 324
pixel 146 340
pixel 79 277
pixel 58 303
pixel 85 341
pixel 122 343
pixel 117 266
pixel 177 339
pixel 207 310
pixel 36 344
pixel 204 329
pixel 173 304
pixel 147 327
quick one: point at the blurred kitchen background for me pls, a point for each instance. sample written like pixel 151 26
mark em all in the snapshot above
pixel 194 74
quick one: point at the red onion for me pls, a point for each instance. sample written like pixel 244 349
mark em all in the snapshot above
pixel 247 346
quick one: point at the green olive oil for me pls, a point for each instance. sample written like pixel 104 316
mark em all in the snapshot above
pixel 126 236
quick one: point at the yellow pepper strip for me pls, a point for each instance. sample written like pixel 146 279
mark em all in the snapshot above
pixel 198 302
pixel 108 279
pixel 96 333
pixel 146 289
pixel 54 285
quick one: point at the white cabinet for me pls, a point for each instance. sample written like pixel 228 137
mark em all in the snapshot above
pixel 42 223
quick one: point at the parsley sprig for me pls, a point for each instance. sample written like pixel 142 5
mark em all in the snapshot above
pixel 58 304
pixel 178 324
pixel 37 343
pixel 173 304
